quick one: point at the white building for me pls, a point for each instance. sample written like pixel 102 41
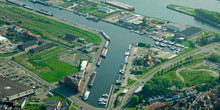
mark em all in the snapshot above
pixel 3 40
pixel 83 65
pixel 105 10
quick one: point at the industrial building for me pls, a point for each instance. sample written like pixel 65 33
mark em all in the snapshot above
pixel 41 48
pixel 26 46
pixel 3 40
pixel 131 20
pixel 74 81
pixel 189 32
pixel 175 27
pixel 11 90
pixel 104 10
pixel 83 65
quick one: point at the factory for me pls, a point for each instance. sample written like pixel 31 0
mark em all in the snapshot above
pixel 11 90
pixel 3 40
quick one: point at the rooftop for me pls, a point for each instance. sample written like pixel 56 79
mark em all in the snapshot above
pixel 2 38
pixel 190 31
pixel 8 87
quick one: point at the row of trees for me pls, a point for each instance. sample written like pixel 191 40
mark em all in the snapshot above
pixel 214 58
pixel 210 15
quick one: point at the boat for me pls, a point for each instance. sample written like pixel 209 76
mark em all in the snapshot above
pixel 105 35
pixel 104 53
pixel 92 79
pixel 102 100
pixel 99 62
pixel 129 47
pixel 104 95
pixel 48 13
pixel 27 7
pixel 86 95
pixel 106 44
pixel 102 103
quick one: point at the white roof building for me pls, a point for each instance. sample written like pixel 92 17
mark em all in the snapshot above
pixel 83 65
pixel 105 10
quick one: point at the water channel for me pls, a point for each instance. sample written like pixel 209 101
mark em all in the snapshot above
pixel 120 37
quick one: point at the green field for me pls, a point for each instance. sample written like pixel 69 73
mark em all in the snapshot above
pixel 49 67
pixel 130 81
pixel 195 77
pixel 47 27
pixel 8 54
pixel 34 107
pixel 88 9
pixel 99 14
pixel 218 48
pixel 58 97
pixel 67 4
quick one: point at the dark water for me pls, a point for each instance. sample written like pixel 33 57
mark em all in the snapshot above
pixel 120 37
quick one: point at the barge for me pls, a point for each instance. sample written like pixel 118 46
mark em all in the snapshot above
pixel 48 13
pixel 92 79
pixel 99 62
pixel 105 35
pixel 15 2
pixel 120 5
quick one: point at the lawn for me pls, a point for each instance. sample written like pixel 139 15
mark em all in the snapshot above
pixel 217 48
pixel 34 107
pixel 130 81
pixel 88 9
pixel 100 14
pixel 195 77
pixel 49 67
pixel 8 54
pixel 46 27
pixel 58 97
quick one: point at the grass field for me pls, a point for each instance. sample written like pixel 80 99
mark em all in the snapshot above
pixel 47 27
pixel 34 107
pixel 8 54
pixel 58 97
pixel 88 9
pixel 99 14
pixel 217 48
pixel 195 77
pixel 130 81
pixel 49 67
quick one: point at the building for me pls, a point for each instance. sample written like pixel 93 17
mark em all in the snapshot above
pixel 88 45
pixel 3 40
pixel 131 20
pixel 69 37
pixel 41 48
pixel 52 105
pixel 13 105
pixel 189 32
pixel 26 46
pixel 83 65
pixel 104 10
pixel 11 90
pixel 74 81
pixel 175 27
pixel 191 91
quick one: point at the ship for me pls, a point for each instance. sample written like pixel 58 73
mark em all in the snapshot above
pixel 104 54
pixel 106 44
pixel 48 13
pixel 120 5
pixel 105 35
pixel 15 2
pixel 99 62
pixel 102 100
pixel 92 79
pixel 86 95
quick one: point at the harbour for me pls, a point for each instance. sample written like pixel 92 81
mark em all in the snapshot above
pixel 117 34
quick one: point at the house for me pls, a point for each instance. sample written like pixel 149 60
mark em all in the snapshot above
pixel 191 91
pixel 52 105
pixel 3 40
pixel 11 90
pixel 74 81
pixel 189 32
pixel 26 46
pixel 41 48
pixel 104 10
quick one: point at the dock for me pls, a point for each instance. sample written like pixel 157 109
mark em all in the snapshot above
pixel 112 88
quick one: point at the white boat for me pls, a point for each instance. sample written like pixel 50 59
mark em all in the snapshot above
pixel 102 103
pixel 86 95
pixel 102 100
pixel 104 95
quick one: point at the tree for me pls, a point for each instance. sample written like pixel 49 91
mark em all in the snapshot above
pixel 178 83
pixel 134 100
pixel 144 22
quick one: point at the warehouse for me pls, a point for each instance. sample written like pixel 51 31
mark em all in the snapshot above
pixel 11 90
pixel 189 32
pixel 41 48
pixel 26 46
pixel 3 40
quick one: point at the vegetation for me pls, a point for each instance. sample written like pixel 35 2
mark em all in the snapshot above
pixel 58 97
pixel 47 28
pixel 196 77
pixel 100 14
pixel 88 8
pixel 130 81
pixel 210 15
pixel 48 66
pixel 8 54
pixel 214 58
pixel 34 107
pixel 208 38
pixel 69 3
